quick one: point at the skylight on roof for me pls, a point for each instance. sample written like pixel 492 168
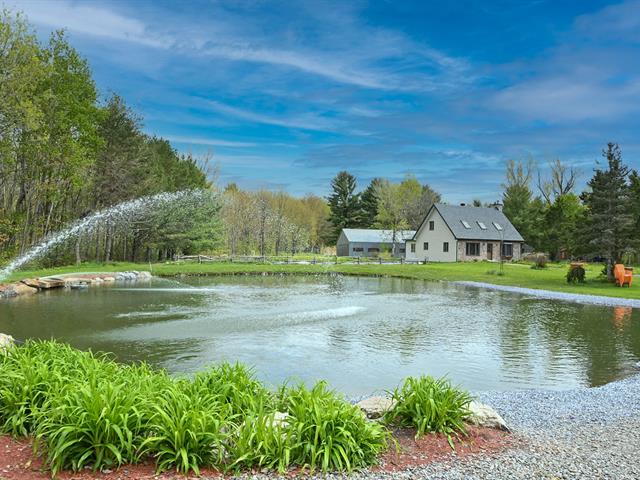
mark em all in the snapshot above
pixel 482 225
pixel 465 224
pixel 497 225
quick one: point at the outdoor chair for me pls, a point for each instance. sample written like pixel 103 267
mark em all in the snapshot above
pixel 624 275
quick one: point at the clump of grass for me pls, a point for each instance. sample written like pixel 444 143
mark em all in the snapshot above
pixel 330 433
pixel 187 430
pixel 431 406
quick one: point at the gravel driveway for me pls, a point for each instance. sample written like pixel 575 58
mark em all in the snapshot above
pixel 586 433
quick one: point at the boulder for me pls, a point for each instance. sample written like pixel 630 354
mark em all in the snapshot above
pixel 15 289
pixel 376 407
pixel 32 282
pixel 280 419
pixel 6 342
pixel 109 279
pixel 484 416
pixel 22 289
pixel 144 274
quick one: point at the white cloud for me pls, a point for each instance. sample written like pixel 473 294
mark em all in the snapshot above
pixel 304 121
pixel 347 51
pixel 93 20
pixel 209 141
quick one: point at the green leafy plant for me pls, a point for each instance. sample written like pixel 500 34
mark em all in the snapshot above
pixel 86 410
pixel 431 406
pixel 188 431
pixel 330 433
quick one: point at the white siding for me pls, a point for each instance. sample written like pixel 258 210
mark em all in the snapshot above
pixel 436 238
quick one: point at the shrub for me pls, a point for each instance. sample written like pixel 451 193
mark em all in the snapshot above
pixel 576 274
pixel 431 406
pixel 540 262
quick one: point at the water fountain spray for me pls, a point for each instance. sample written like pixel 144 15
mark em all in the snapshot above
pixel 119 212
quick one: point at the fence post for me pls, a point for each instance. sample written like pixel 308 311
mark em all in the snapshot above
pixel 199 259
pixel 336 259
pixel 401 260
pixel 380 260
pixel 358 260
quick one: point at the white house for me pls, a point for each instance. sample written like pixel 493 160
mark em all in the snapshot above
pixel 458 233
pixel 364 242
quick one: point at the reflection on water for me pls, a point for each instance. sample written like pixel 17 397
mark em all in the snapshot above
pixel 361 334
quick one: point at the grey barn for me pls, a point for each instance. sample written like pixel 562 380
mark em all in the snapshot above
pixel 362 242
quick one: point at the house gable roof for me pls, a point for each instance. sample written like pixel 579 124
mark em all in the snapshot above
pixel 365 235
pixel 455 215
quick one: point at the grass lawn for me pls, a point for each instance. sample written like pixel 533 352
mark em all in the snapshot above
pixel 519 275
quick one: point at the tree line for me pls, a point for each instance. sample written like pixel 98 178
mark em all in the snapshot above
pixel 383 204
pixel 600 223
pixel 64 153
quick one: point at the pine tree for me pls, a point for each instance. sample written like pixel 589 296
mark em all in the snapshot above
pixel 609 225
pixel 369 203
pixel 346 209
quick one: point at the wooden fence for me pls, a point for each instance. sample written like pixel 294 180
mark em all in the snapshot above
pixel 290 260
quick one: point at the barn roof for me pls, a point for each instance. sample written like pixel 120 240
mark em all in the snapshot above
pixel 366 235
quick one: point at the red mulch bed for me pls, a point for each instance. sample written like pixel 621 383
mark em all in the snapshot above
pixel 432 448
pixel 17 461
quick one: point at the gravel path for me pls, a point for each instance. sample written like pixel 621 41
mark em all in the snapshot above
pixel 571 297
pixel 586 433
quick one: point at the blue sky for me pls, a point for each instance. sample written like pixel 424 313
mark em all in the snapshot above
pixel 285 94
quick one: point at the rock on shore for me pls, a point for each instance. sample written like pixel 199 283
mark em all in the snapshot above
pixel 33 285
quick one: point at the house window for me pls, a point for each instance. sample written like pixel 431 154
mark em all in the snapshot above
pixel 413 248
pixel 507 249
pixel 497 225
pixel 432 225
pixel 482 225
pixel 445 247
pixel 373 249
pixel 402 250
pixel 473 249
pixel 425 246
pixel 358 249
pixel 465 224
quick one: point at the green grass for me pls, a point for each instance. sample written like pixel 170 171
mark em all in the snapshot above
pixel 86 410
pixel 520 275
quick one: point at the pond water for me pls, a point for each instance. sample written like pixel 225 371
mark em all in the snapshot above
pixel 361 334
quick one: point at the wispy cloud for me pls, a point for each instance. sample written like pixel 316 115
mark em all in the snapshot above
pixel 361 55
pixel 592 75
pixel 93 20
pixel 302 121
pixel 209 141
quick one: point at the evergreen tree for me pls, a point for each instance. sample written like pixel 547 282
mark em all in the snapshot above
pixel 344 203
pixel 369 203
pixel 609 223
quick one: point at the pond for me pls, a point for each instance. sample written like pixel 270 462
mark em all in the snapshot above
pixel 361 334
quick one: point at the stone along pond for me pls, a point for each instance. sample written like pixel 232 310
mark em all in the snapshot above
pixel 361 334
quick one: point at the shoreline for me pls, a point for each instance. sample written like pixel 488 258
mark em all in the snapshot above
pixel 28 286
pixel 554 295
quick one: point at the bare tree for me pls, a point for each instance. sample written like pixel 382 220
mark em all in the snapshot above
pixel 562 180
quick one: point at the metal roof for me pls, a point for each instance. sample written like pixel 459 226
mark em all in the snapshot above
pixel 365 235
pixel 455 215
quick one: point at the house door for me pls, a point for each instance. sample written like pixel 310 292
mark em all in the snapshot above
pixel 489 251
